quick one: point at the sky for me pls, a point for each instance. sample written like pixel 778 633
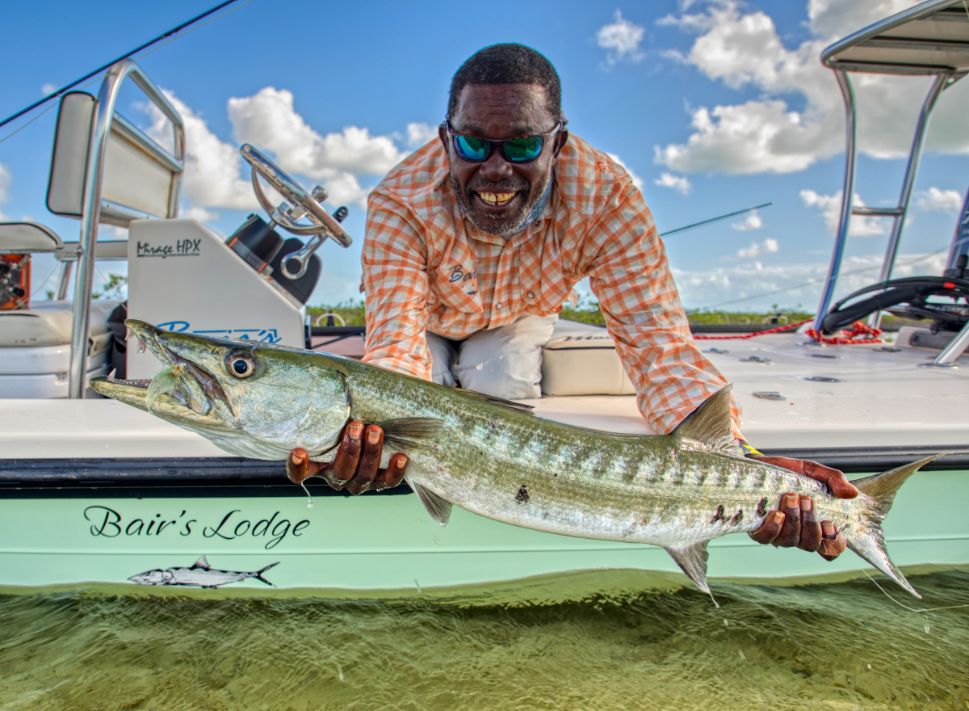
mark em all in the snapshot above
pixel 712 105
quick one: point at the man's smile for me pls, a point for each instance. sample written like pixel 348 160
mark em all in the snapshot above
pixel 496 199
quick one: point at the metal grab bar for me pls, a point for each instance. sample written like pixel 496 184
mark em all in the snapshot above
pixel 92 204
pixel 897 213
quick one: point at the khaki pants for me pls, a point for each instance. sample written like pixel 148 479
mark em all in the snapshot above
pixel 504 362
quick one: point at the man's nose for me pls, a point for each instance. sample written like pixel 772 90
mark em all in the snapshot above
pixel 496 167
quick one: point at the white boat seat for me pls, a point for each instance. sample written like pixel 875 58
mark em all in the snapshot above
pixel 581 359
pixel 35 347
pixel 28 237
pixel 48 323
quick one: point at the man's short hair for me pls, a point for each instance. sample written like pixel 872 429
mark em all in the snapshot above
pixel 507 64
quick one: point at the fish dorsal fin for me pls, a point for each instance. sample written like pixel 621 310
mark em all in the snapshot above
pixel 693 561
pixel 438 508
pixel 201 563
pixel 520 406
pixel 408 431
pixel 711 424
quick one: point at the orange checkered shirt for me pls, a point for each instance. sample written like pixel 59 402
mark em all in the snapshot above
pixel 426 268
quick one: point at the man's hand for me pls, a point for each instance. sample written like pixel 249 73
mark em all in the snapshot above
pixel 793 523
pixel 356 466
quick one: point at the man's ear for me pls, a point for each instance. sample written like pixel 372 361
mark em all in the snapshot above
pixel 560 140
pixel 442 134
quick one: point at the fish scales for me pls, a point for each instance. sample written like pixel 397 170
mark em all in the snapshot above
pixel 678 491
pixel 581 500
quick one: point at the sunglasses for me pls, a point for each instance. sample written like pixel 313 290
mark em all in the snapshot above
pixel 523 149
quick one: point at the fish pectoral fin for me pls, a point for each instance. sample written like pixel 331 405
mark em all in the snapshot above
pixel 200 564
pixel 438 508
pixel 693 561
pixel 711 424
pixel 408 431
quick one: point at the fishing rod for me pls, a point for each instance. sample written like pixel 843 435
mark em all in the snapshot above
pixel 165 35
pixel 714 219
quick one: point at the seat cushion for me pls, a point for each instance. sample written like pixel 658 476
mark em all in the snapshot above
pixel 49 323
pixel 581 359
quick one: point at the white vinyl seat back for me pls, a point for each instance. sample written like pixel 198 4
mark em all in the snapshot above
pixel 133 178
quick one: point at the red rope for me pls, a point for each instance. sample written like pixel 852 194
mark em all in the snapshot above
pixel 735 336
pixel 848 337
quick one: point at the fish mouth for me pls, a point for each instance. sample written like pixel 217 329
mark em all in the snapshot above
pixel 184 390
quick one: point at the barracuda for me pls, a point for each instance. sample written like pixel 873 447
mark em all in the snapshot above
pixel 493 457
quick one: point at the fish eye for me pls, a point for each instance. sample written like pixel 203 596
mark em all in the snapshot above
pixel 240 364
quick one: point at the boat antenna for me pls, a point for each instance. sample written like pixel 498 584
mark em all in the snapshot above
pixel 712 219
pixel 165 35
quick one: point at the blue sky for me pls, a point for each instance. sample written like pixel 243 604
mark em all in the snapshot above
pixel 713 106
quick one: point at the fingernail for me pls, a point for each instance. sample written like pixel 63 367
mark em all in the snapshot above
pixel 806 503
pixel 401 462
pixel 827 529
pixel 790 500
pixel 373 436
pixel 778 517
pixel 355 430
pixel 296 458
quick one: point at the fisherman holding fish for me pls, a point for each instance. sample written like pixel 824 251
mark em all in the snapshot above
pixel 474 242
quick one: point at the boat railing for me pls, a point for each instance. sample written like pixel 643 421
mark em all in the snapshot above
pixel 929 39
pixel 107 170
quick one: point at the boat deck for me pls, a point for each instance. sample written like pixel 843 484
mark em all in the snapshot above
pixel 794 395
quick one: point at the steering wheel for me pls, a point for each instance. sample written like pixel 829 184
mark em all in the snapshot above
pixel 913 291
pixel 298 204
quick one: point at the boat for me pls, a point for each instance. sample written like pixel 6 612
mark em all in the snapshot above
pixel 94 492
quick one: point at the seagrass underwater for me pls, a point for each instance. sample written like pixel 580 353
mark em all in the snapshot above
pixel 496 458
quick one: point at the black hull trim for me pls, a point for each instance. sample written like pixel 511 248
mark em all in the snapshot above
pixel 173 477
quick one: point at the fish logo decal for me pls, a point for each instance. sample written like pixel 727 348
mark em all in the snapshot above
pixel 199 575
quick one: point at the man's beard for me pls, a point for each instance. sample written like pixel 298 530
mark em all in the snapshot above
pixel 524 215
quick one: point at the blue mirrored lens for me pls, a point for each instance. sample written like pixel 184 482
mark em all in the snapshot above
pixel 471 148
pixel 522 150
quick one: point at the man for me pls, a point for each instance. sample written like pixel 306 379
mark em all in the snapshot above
pixel 475 241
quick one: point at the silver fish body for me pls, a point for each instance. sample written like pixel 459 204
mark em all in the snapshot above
pixel 495 458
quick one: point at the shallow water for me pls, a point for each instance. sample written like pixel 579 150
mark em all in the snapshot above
pixel 833 646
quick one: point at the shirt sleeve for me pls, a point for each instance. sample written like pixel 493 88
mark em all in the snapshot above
pixel 630 276
pixel 394 262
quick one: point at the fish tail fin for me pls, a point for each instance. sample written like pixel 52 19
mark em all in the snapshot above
pixel 870 543
pixel 258 574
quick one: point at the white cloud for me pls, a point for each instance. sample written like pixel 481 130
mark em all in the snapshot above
pixel 751 222
pixel 420 133
pixel 621 40
pixel 742 49
pixel 830 207
pixel 637 181
pixel 216 177
pixel 675 182
pixel 796 285
pixel 213 168
pixel 199 213
pixel 935 199
pixel 755 249
pixel 48 88
pixel 269 119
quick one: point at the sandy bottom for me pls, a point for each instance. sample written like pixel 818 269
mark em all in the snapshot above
pixel 836 646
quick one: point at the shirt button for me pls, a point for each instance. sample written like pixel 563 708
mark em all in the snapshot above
pixel 530 295
pixel 498 306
